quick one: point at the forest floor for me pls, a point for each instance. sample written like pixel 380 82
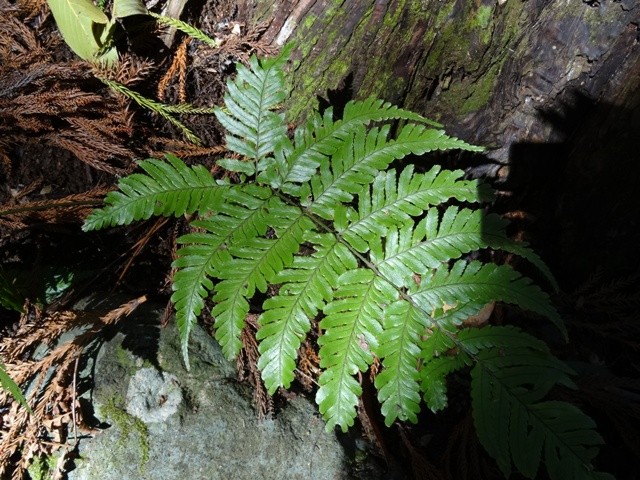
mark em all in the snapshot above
pixel 66 139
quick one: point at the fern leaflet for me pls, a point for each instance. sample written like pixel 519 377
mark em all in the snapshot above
pixel 306 287
pixel 322 136
pixel 480 284
pixel 253 128
pixel 387 204
pixel 510 378
pixel 397 384
pixel 352 324
pixel 202 255
pixel 354 166
pixel 166 189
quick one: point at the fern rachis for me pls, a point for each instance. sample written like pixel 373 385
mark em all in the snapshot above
pixel 383 262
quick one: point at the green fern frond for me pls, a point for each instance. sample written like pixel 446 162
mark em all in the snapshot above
pixel 196 264
pixel 230 310
pixel 435 240
pixel 509 381
pixel 392 204
pixel 397 384
pixel 252 265
pixel 321 221
pixel 512 372
pixel 234 236
pixel 355 165
pixel 446 351
pixel 253 129
pixel 202 254
pixel 437 362
pixel 305 289
pixel 352 325
pixel 322 136
pixel 477 339
pixel 169 189
pixel 234 249
pixel 477 283
pixel 262 258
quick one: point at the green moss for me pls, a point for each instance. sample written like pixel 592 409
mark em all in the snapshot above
pixel 482 92
pixel 391 19
pixel 43 468
pixel 125 360
pixel 127 424
pixel 483 16
pixel 309 21
pixel 128 361
pixel 465 39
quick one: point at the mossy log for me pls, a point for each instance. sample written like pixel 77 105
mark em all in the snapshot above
pixel 483 67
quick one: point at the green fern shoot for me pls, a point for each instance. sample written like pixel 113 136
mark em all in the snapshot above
pixel 379 256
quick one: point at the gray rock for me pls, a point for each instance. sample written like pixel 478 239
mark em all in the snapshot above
pixel 167 423
pixel 153 396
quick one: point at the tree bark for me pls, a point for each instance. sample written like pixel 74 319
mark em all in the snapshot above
pixel 484 68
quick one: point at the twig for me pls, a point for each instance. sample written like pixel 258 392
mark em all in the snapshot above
pixel 73 403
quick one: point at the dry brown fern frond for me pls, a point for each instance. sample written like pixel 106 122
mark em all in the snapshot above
pixel 17 41
pixel 49 381
pixel 247 43
pixel 33 8
pixel 68 209
pixel 178 68
pixel 247 367
pixel 129 71
pixel 58 103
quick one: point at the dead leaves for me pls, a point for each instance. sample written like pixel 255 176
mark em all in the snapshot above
pixel 46 368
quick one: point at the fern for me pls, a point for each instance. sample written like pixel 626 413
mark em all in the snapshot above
pixel 512 372
pixel 254 129
pixel 381 254
pixel 166 189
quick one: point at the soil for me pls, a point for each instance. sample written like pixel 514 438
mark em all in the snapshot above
pixel 39 246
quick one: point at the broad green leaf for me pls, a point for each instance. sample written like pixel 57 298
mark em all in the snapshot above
pixel 127 8
pixel 82 26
